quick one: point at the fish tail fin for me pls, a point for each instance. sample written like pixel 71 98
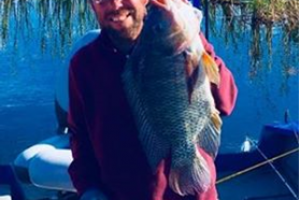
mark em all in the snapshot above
pixel 211 69
pixel 190 178
pixel 209 139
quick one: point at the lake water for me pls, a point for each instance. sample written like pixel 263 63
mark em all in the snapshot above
pixel 28 77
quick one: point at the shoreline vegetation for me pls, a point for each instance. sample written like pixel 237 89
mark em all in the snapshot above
pixel 262 18
pixel 58 22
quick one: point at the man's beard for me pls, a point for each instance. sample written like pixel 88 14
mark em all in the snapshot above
pixel 125 33
pixel 129 32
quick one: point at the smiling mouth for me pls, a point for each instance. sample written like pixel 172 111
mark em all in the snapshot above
pixel 119 17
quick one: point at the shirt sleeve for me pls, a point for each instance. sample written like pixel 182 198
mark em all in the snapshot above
pixel 225 94
pixel 84 169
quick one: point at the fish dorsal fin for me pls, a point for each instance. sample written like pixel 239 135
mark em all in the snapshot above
pixel 211 69
pixel 216 119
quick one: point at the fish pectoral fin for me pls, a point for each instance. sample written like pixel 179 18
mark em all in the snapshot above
pixel 211 69
pixel 190 176
pixel 216 120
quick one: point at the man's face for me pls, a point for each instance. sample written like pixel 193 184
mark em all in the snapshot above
pixel 122 18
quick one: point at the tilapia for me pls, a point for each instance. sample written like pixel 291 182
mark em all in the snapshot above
pixel 167 82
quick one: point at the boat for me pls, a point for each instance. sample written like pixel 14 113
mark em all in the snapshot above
pixel 268 170
pixel 263 169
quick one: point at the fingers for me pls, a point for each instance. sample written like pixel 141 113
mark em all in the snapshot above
pixel 163 4
pixel 186 1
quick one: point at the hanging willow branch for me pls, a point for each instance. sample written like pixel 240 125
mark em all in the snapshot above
pixel 56 21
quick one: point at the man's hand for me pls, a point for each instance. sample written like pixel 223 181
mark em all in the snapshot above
pixel 93 194
pixel 181 13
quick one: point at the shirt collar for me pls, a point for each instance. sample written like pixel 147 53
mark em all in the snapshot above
pixel 105 41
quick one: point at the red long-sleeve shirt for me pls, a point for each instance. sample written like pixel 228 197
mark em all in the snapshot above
pixel 104 140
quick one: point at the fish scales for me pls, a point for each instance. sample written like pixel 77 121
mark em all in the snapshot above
pixel 171 119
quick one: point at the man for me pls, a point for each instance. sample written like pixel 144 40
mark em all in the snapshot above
pixel 109 162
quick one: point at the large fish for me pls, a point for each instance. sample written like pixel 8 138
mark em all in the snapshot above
pixel 167 81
